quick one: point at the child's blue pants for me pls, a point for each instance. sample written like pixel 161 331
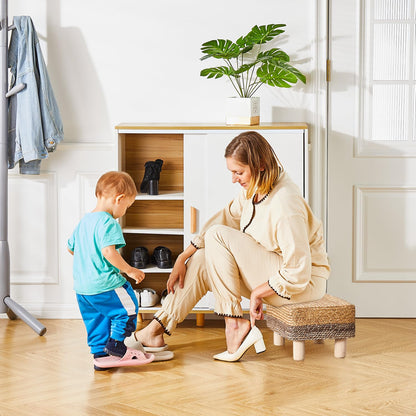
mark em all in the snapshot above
pixel 109 314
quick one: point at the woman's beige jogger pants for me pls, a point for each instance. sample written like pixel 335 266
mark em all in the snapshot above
pixel 231 265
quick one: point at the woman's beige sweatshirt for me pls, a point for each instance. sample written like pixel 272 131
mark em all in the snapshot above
pixel 284 223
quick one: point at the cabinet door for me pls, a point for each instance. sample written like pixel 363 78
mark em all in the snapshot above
pixel 207 182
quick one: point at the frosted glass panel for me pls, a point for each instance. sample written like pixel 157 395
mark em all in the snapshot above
pixel 391 9
pixel 390 52
pixel 390 112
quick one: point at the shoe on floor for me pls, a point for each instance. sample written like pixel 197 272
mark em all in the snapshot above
pixel 163 355
pixel 130 358
pixel 114 347
pixel 254 337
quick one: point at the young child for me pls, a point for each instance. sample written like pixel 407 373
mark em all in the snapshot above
pixel 106 300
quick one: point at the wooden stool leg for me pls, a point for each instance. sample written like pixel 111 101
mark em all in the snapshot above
pixel 278 339
pixel 298 350
pixel 340 348
pixel 319 341
pixel 200 319
pixel 139 318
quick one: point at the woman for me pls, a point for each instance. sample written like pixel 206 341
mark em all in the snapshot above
pixel 265 245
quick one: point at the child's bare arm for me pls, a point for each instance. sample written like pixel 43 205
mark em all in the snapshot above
pixel 114 257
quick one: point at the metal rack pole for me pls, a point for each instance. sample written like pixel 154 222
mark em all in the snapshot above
pixel 7 305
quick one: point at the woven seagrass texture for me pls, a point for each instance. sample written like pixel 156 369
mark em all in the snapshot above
pixel 328 310
pixel 310 332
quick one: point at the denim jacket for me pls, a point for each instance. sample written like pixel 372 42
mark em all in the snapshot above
pixel 35 125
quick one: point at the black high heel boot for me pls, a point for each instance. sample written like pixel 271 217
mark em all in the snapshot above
pixel 151 172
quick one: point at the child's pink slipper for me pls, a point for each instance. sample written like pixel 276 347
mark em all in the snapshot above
pixel 131 358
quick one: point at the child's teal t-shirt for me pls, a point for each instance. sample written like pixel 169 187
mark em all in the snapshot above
pixel 92 272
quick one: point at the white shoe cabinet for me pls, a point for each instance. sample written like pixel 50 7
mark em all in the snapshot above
pixel 194 184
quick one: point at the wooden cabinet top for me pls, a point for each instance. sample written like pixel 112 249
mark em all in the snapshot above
pixel 209 126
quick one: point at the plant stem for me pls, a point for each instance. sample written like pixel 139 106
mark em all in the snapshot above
pixel 252 82
pixel 255 87
pixel 239 90
pixel 244 76
pixel 232 83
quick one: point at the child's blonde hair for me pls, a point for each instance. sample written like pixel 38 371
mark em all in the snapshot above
pixel 252 149
pixel 115 183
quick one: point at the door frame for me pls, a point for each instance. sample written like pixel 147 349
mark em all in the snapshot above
pixel 319 130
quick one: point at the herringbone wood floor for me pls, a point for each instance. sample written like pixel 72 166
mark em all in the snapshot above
pixel 53 375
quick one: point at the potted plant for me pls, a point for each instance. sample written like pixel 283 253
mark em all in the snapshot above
pixel 248 67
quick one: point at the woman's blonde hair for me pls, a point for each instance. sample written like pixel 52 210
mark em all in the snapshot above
pixel 252 149
pixel 115 183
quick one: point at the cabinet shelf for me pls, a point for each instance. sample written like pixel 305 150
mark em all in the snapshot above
pixel 163 196
pixel 158 231
pixel 154 269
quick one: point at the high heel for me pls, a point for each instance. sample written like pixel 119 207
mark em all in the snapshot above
pixel 259 346
pixel 254 337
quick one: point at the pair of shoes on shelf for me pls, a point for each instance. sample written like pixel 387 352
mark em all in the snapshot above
pixel 150 182
pixel 254 337
pixel 147 297
pixel 161 256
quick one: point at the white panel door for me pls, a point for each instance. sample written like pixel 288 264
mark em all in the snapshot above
pixel 207 182
pixel 371 156
pixel 43 211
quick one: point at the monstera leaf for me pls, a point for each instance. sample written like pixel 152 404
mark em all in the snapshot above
pixel 262 34
pixel 273 54
pixel 279 75
pixel 217 72
pixel 220 48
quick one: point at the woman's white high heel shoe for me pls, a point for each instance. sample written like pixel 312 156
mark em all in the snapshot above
pixel 254 337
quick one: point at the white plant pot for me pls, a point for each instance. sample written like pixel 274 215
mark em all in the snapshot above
pixel 243 110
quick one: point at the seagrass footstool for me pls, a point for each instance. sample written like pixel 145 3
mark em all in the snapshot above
pixel 326 318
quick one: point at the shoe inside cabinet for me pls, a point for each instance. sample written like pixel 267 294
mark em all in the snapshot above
pixel 156 278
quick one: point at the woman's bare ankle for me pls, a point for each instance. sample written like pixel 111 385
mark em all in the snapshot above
pixel 151 335
pixel 236 329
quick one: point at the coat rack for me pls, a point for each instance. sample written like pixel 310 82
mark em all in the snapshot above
pixel 8 305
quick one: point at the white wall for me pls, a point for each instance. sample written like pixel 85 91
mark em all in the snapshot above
pixel 139 61
pixel 130 60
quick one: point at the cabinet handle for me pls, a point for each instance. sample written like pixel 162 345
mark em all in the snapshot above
pixel 193 220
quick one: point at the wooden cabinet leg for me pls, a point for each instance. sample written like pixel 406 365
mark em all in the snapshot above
pixel 200 319
pixel 139 318
pixel 298 350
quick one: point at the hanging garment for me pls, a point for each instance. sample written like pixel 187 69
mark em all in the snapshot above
pixel 35 125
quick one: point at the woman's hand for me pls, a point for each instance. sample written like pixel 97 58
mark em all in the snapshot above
pixel 178 273
pixel 256 309
pixel 256 302
pixel 179 269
